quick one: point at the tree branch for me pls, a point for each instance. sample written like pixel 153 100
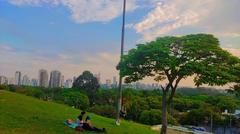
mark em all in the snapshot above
pixel 162 88
pixel 174 89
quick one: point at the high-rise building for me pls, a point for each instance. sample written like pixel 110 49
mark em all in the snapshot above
pixel 62 81
pixel 18 78
pixel 68 83
pixel 98 76
pixel 34 82
pixel 55 79
pixel 25 80
pixel 114 82
pixel 43 78
pixel 138 85
pixel 3 80
pixel 108 83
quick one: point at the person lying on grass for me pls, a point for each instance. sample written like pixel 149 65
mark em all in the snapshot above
pixel 87 125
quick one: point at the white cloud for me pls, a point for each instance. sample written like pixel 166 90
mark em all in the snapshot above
pixel 96 10
pixel 173 14
pixel 83 11
pixel 5 48
pixel 34 2
pixel 176 17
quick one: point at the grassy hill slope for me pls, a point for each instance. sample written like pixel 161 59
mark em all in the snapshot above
pixel 22 114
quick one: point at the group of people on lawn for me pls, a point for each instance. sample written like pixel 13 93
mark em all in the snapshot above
pixel 86 124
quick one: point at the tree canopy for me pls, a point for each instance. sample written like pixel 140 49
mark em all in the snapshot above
pixel 87 83
pixel 175 58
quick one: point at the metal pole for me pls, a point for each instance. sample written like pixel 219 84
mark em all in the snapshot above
pixel 211 122
pixel 230 124
pixel 119 106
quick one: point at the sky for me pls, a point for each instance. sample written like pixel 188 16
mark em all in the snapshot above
pixel 76 35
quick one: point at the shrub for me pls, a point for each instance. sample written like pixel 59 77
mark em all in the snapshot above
pixel 154 117
pixel 136 106
pixel 76 99
pixel 104 110
pixel 4 87
pixel 12 88
pixel 35 93
pixel 21 90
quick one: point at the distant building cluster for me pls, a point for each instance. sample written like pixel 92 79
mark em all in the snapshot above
pixel 56 79
pixel 138 85
pixel 110 83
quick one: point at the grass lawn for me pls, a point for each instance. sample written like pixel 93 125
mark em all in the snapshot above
pixel 20 114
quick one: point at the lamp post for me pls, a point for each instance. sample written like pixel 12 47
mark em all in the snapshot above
pixel 119 104
pixel 230 119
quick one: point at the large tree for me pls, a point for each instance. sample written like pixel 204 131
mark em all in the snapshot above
pixel 87 83
pixel 171 59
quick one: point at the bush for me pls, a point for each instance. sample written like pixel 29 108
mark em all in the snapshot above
pixel 35 93
pixel 135 107
pixel 104 110
pixel 76 99
pixel 4 87
pixel 12 88
pixel 154 117
pixel 154 102
pixel 105 97
pixel 223 103
pixel 202 116
pixel 21 90
pixel 183 104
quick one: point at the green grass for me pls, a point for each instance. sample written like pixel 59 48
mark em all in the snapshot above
pixel 22 114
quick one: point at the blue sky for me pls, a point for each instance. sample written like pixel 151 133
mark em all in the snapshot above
pixel 72 36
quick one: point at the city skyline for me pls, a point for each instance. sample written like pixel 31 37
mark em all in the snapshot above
pixel 109 83
pixel 73 36
pixel 53 79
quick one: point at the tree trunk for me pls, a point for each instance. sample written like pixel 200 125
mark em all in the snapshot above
pixel 164 113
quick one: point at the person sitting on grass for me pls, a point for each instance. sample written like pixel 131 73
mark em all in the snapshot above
pixel 80 120
pixel 87 125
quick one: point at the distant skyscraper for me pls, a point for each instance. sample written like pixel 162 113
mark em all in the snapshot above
pixel 43 78
pixel 3 80
pixel 18 78
pixel 114 82
pixel 138 85
pixel 98 76
pixel 55 79
pixel 62 81
pixel 68 83
pixel 108 83
pixel 34 82
pixel 25 80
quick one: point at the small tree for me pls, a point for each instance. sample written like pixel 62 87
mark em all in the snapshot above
pixel 88 83
pixel 76 99
pixel 171 59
